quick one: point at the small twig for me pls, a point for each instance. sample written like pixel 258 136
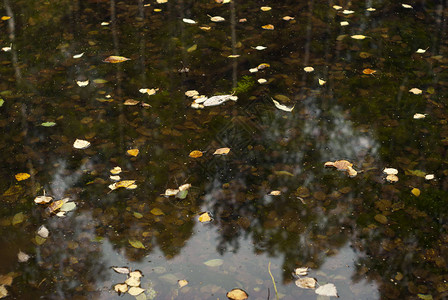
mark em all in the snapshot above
pixel 273 281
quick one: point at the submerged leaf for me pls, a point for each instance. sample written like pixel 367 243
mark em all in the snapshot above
pixel 136 244
pixel 221 151
pixel 157 211
pixel 214 262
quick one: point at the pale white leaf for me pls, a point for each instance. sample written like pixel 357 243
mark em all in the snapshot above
pixel 217 19
pixel 200 99
pixel 415 91
pixel 253 70
pixel 328 290
pixel 214 262
pixel 337 7
pixel 406 5
pixel 301 271
pixel 171 192
pixel 43 232
pixel 421 50
pixel 81 144
pixel 189 21
pixel 308 69
pixel 191 93
pixel 133 281
pixel 135 291
pixel 184 187
pixel 78 55
pixel 306 283
pixel 262 81
pixel 197 105
pixel 82 83
pixel 347 12
pixel 281 106
pixel 259 48
pixel 390 171
pixel 121 270
pixel 344 23
pixel 68 206
pixel 217 100
pixel 42 199
pixel 429 177
pixel 6 49
pixel 22 256
pixel 104 23
pixel 322 82
pixel 419 116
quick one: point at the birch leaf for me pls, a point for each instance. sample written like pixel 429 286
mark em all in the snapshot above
pixel 189 21
pixel 81 144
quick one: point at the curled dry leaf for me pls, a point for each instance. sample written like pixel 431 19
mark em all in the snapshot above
pixel 205 217
pixel 82 83
pixel 306 283
pixel 237 294
pixel 281 106
pixel 121 270
pixel 195 154
pixel 221 151
pixel 115 59
pixel 328 290
pixel 81 144
pixel 42 199
pixel 121 288
pixel 189 21
pixel 182 283
pixel 184 187
pixel 22 176
pixel 301 271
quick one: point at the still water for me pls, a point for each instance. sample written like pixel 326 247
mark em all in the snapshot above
pixel 364 83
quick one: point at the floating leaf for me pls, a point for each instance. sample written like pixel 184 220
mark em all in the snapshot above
pixel 131 102
pixel 214 262
pixel 328 290
pixel 406 5
pixel 221 151
pixel 344 23
pixel 136 274
pixel 262 81
pixel 308 69
pixel 429 177
pixel 288 18
pixel 124 183
pixel 115 59
pixel 133 152
pixel 82 83
pixel 68 206
pixel 237 294
pixel 191 93
pixel 48 124
pixel 121 270
pixel 42 199
pixel 275 193
pixel 268 27
pixel 358 37
pixel 389 171
pixel 81 144
pixel 133 281
pixel 18 218
pixel 184 187
pixel 301 271
pixel 348 12
pixel 415 192
pixel 78 55
pixel 322 82
pixel 22 257
pixel 22 176
pixel 419 116
pixel 371 9
pixel 368 71
pixel 182 283
pixel 265 8
pixel 104 23
pixel 171 192
pixel 3 290
pixel 234 56
pixel 157 211
pixel 189 21
pixel 259 48
pixel 218 100
pixel 136 244
pixel 205 217
pixel 115 171
pixel 56 205
pixel 306 283
pixel 43 232
pixel 192 48
pixel 392 178
pixel 4 18
pixel 39 240
pixel 195 154
pixel 415 91
pixel 337 7
pixel 121 288
pixel 421 50
pixel 135 291
pixel 217 19
pixel 281 106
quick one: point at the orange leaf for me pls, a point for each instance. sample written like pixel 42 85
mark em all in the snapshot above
pixel 115 59
pixel 133 152
pixel 268 27
pixel 22 176
pixel 368 71
pixel 195 154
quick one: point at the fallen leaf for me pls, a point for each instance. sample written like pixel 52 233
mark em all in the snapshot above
pixel 42 199
pixel 380 218
pixel 121 288
pixel 184 187
pixel 135 291
pixel 136 274
pixel 415 192
pixel 429 177
pixel 121 270
pixel 124 183
pixel 217 19
pixel 136 244
pixel 131 102
pixel 253 70
pixel 81 144
pixel 182 283
pixel 275 193
pixel 262 81
pixel 406 5
pixel 337 7
pixel 189 21
pixel 358 37
pixel 368 71
pixel 3 291
pixel 133 281
pixel 234 56
pixel 218 100
pixel 342 164
pixel 265 8
pixel 192 48
pixel 281 106
pixel 82 83
pixel 78 55
pixel 104 23
pixel 301 271
pixel 348 12
pixel 328 290
pixel 43 232
pixel 22 176
pixel 371 9
pixel 22 257
pixel 18 218
pixel 157 211
pixel 214 262
pixel 191 93
pixel 6 49
pixel 288 18
pixel 344 23
pixel 268 27
pixel 171 192
pixel 419 116
pixel 306 283
pixel 308 69
pixel 389 171
pixel 4 18
pixel 56 205
pixel 392 178
pixel 115 171
pixel 115 59
pixel 237 294
pixel 322 82
pixel 421 50
pixel 133 152
pixel 259 48
pixel 48 124
pixel 221 151
pixel 195 154
pixel 415 91
pixel 205 217
pixel 206 28
pixel 68 206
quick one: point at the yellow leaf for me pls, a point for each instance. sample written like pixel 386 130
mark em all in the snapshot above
pixel 275 193
pixel 358 37
pixel 308 69
pixel 135 291
pixel 265 8
pixel 115 59
pixel 288 18
pixel 221 151
pixel 133 152
pixel 205 217
pixel 263 66
pixel 217 19
pixel 115 170
pixel 22 176
pixel 18 218
pixel 195 154
pixel 415 192
pixel 56 205
pixel 192 48
pixel 368 71
pixel 121 288
pixel 157 211
pixel 124 183
pixel 136 244
pixel 182 283
pixel 4 18
pixel 237 294
pixel 392 178
pixel 268 27
pixel 133 281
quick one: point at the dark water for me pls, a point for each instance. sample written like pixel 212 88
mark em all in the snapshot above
pixel 371 238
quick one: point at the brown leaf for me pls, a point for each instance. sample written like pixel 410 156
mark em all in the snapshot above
pixel 131 102
pixel 237 294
